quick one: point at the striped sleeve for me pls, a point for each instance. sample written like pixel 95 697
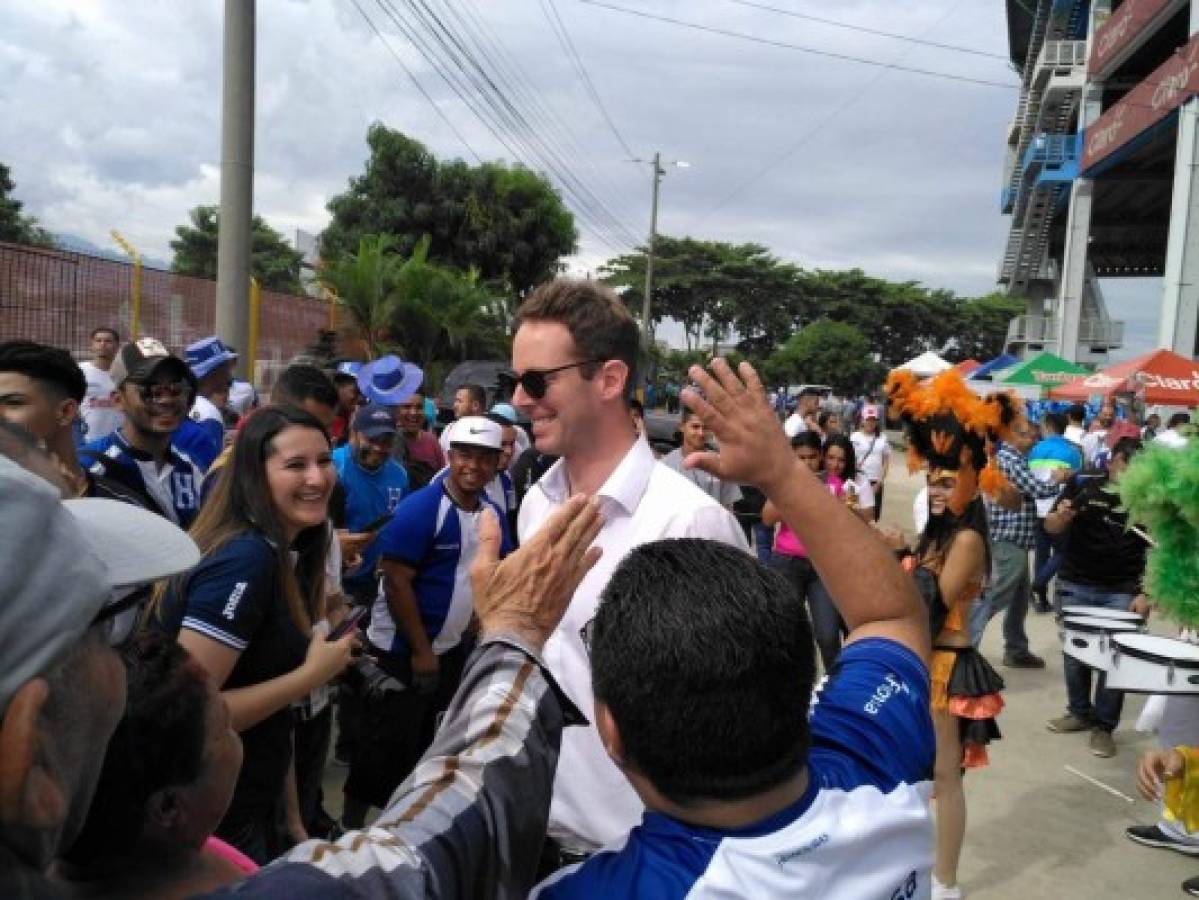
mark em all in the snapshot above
pixel 231 592
pixel 473 812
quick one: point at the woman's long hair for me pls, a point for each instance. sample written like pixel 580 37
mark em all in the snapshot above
pixel 241 502
pixel 851 459
pixel 939 532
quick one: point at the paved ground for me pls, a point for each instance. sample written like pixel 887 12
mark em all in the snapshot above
pixel 1036 831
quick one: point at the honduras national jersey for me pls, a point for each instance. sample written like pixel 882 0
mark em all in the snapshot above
pixel 173 490
pixel 438 539
pixel 862 828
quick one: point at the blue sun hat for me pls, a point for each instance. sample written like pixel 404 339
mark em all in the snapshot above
pixel 389 380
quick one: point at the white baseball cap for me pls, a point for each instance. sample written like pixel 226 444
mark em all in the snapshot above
pixel 477 431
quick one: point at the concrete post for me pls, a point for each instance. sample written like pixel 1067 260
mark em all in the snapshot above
pixel 237 179
pixel 1178 325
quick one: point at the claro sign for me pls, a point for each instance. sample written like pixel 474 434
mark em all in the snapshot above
pixel 1170 85
pixel 1121 28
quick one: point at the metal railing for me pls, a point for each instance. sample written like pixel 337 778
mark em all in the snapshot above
pixel 1093 332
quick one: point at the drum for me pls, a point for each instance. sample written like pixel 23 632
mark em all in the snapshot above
pixel 1102 612
pixel 1088 638
pixel 1148 664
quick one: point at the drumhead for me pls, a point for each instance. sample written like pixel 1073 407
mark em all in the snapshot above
pixel 1094 625
pixel 1102 612
pixel 1162 650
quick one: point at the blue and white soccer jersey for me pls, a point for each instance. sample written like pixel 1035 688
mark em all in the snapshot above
pixel 438 539
pixel 502 492
pixel 862 828
pixel 206 414
pixel 174 489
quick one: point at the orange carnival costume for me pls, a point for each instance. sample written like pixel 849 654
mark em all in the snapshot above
pixel 949 429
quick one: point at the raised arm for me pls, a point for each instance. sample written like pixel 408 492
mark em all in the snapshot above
pixel 872 593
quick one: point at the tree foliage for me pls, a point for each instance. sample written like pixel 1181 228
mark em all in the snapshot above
pixel 507 223
pixel 272 260
pixel 14 225
pixel 827 352
pixel 406 303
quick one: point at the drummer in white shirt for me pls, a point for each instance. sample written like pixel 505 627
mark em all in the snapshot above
pixel 574 357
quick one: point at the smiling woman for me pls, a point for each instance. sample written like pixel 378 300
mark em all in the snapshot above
pixel 247 611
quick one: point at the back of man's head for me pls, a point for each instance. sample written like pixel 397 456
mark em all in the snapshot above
pixel 1053 423
pixel 300 383
pixel 598 321
pixel 1076 414
pixel 1178 420
pixel 704 658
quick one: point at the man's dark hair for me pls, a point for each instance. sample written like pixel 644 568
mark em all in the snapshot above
pixel 597 319
pixel 478 394
pixel 1076 413
pixel 104 329
pixel 1179 418
pixel 300 382
pixel 1055 421
pixel 340 378
pixel 50 367
pixel 159 743
pixel 704 657
pixel 809 391
pixel 807 439
pixel 687 413
pixel 1127 447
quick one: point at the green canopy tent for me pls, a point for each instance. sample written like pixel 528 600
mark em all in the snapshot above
pixel 1044 372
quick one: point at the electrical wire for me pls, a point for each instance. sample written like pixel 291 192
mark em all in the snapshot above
pixel 955 48
pixel 829 54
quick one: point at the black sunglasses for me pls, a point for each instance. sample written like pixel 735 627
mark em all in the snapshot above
pixel 159 392
pixel 534 380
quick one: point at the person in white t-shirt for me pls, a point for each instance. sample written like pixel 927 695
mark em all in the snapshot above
pixel 873 453
pixel 574 356
pixel 1093 440
pixel 99 414
pixel 1076 415
pixel 808 404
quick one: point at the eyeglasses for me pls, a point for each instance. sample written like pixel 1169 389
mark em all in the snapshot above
pixel 159 392
pixel 534 380
pixel 119 615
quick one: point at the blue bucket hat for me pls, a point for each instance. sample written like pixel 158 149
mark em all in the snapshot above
pixel 207 354
pixel 389 380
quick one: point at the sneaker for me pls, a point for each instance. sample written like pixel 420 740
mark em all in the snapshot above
pixel 1191 887
pixel 1152 836
pixel 1023 659
pixel 950 892
pixel 1068 724
pixel 1102 744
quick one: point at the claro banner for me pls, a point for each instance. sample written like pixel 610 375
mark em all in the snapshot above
pixel 1170 85
pixel 1120 30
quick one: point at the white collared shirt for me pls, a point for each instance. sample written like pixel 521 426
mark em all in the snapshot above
pixel 641 501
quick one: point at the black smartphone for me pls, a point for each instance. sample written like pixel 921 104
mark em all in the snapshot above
pixel 348 624
pixel 378 523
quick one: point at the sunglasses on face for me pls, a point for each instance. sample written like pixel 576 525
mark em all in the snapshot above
pixel 160 392
pixel 119 616
pixel 535 381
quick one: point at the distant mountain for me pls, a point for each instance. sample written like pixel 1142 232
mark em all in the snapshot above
pixel 78 244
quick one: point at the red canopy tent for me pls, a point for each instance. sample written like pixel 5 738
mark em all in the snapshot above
pixel 1169 380
pixel 966 366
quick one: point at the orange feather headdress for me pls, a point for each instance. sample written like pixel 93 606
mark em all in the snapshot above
pixel 951 428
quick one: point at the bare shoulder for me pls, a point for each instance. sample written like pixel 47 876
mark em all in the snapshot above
pixel 967 544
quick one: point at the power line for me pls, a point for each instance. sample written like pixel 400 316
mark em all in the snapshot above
pixel 864 30
pixel 798 47
pixel 809 136
pixel 416 83
pixel 563 33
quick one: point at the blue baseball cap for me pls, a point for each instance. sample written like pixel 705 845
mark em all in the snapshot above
pixel 207 354
pixel 505 411
pixel 374 420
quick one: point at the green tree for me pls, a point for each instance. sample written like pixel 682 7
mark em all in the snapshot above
pixel 272 260
pixel 507 223
pixel 980 326
pixel 826 352
pixel 14 226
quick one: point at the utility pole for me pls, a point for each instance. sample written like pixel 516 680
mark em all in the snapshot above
pixel 647 332
pixel 237 180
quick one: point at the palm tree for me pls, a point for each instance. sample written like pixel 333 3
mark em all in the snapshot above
pixel 364 284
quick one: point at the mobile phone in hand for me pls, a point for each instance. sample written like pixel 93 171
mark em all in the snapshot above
pixel 348 624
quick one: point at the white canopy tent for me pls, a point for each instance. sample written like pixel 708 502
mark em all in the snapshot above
pixel 926 365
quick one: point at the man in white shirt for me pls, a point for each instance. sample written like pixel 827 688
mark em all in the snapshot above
pixel 873 453
pixel 808 404
pixel 1093 440
pixel 1075 416
pixel 99 413
pixel 696 439
pixel 575 355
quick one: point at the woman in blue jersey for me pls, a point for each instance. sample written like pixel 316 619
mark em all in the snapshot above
pixel 247 612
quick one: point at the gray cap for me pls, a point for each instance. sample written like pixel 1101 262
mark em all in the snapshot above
pixel 64 561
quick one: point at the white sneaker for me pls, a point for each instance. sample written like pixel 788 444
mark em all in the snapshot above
pixel 942 892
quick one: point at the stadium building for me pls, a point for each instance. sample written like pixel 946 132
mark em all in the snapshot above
pixel 1102 176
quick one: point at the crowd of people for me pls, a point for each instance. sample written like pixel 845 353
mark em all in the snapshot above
pixel 545 660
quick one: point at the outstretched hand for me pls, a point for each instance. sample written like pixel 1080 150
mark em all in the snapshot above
pixel 528 593
pixel 733 406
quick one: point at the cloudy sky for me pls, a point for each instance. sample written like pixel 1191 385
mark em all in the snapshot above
pixel 113 110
